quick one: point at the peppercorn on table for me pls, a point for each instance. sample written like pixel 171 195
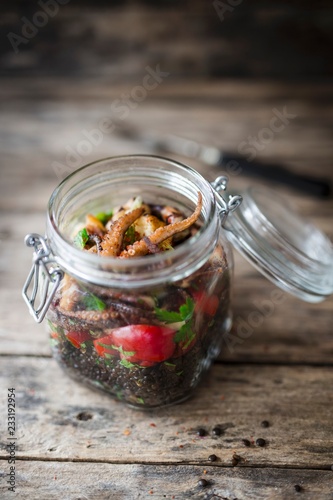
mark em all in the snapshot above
pixel 260 424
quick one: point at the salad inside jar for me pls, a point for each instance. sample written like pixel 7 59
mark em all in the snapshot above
pixel 145 346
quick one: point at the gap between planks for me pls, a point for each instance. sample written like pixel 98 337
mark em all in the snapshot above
pixel 168 464
pixel 216 362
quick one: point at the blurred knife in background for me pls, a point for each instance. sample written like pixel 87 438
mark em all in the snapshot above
pixel 230 162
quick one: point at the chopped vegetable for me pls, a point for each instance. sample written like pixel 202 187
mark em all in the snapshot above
pixel 104 217
pixel 93 303
pixel 104 346
pixel 150 343
pixel 185 335
pixel 185 313
pixel 206 303
pixel 78 338
pixel 81 238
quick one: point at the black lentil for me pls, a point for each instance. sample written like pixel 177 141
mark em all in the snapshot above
pixel 212 458
pixel 297 488
pixel 201 432
pixel 217 431
pixel 154 386
pixel 265 423
pixel 260 442
pixel 84 415
pixel 246 442
pixel 203 483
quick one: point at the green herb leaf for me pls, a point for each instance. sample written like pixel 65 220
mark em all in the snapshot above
pixel 185 334
pixel 107 346
pixel 129 237
pixel 140 400
pixel 167 316
pixel 185 313
pixel 93 303
pixel 94 334
pixel 81 238
pixel 104 217
pixel 127 354
pixel 108 356
pixel 127 364
pixel 187 309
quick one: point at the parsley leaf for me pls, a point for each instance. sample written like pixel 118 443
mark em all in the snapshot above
pixel 185 333
pixel 127 354
pixel 185 313
pixel 187 309
pixel 104 217
pixel 167 316
pixel 81 238
pixel 93 303
pixel 127 364
pixel 129 237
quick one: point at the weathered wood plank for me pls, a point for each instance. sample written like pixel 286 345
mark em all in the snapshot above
pixel 297 402
pixel 73 481
pixel 112 39
pixel 37 130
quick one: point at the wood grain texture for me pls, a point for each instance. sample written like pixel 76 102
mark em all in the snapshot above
pixel 279 370
pixel 82 481
pixel 297 401
pixel 283 40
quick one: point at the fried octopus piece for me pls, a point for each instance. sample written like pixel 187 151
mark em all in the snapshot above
pixel 112 241
pixel 94 225
pixel 142 247
pixel 70 293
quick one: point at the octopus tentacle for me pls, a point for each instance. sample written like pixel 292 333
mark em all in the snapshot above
pixel 141 248
pixel 94 225
pixel 112 241
pixel 70 293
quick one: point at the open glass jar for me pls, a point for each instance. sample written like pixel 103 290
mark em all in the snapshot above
pixel 145 329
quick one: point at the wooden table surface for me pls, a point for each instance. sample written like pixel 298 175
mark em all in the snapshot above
pixel 73 443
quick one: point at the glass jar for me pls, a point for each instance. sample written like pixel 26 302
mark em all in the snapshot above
pixel 142 329
pixel 145 329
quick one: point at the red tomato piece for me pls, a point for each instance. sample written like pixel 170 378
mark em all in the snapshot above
pixel 103 346
pixel 144 344
pixel 78 338
pixel 206 303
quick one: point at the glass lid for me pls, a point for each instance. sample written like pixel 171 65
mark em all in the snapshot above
pixel 286 248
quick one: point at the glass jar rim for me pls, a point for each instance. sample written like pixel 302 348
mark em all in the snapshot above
pixel 135 272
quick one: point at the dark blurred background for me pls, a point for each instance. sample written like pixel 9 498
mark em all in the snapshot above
pixel 284 40
pixel 232 65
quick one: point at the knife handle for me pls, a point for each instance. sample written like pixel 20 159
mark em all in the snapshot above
pixel 320 187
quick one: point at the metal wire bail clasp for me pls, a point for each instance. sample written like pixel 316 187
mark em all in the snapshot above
pixel 43 266
pixel 220 184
